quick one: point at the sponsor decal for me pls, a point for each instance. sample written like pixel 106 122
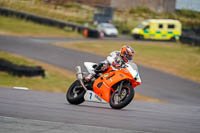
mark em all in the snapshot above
pixel 126 71
pixel 106 75
pixel 121 75
pixel 137 74
pixel 90 96
pixel 98 98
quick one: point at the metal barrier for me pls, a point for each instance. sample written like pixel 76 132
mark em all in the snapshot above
pixel 93 33
pixel 190 37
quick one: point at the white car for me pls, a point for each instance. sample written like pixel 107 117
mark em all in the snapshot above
pixel 108 29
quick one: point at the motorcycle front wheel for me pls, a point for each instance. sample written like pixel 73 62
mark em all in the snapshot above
pixel 75 93
pixel 119 102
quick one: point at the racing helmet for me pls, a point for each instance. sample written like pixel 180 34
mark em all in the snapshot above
pixel 127 53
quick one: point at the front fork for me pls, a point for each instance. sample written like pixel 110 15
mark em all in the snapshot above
pixel 120 88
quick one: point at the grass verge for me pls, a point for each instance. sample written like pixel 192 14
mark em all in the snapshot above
pixel 15 26
pixel 66 11
pixel 56 80
pixel 170 57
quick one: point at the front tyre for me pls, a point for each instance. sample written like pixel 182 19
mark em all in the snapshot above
pixel 75 93
pixel 119 102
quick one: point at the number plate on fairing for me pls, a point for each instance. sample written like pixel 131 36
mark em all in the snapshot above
pixel 92 97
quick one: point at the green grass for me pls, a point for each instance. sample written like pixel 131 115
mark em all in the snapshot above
pixel 56 80
pixel 67 11
pixel 52 82
pixel 15 26
pixel 18 61
pixel 174 58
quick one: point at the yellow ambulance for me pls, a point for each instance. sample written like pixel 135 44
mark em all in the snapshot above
pixel 158 29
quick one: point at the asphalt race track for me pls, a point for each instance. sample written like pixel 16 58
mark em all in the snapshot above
pixel 32 109
pixel 19 109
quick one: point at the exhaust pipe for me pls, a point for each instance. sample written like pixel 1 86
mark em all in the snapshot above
pixel 79 76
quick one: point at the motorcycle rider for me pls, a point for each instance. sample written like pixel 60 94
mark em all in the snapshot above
pixel 116 59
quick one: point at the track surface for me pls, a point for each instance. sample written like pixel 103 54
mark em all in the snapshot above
pixel 155 83
pixel 142 117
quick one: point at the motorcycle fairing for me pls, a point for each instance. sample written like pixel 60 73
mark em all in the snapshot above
pixel 103 85
pixel 91 96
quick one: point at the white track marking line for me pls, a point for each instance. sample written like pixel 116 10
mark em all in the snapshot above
pixel 21 88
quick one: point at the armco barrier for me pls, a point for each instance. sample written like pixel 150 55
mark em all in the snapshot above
pixel 190 37
pixel 20 70
pixel 190 40
pixel 48 21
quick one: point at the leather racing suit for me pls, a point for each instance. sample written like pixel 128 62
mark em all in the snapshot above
pixel 114 60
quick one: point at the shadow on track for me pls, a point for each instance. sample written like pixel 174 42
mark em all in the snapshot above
pixel 92 106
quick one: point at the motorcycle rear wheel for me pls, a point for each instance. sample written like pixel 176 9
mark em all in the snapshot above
pixel 75 93
pixel 127 94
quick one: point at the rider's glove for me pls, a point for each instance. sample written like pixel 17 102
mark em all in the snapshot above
pixel 101 67
pixel 117 66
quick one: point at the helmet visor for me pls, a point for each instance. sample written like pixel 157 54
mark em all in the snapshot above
pixel 129 57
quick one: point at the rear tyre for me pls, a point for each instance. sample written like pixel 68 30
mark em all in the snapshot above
pixel 127 94
pixel 75 93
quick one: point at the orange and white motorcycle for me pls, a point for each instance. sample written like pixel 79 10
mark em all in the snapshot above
pixel 115 87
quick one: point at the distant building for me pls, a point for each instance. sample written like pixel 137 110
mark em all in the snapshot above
pixel 188 4
pixel 156 5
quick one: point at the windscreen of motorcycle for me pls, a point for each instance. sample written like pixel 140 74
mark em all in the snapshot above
pixel 132 68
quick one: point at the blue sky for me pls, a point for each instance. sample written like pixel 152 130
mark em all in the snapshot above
pixel 188 4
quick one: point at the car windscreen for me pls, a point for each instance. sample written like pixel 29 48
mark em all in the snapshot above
pixel 108 26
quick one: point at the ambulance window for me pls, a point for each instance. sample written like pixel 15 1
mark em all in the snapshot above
pixel 160 26
pixel 171 26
